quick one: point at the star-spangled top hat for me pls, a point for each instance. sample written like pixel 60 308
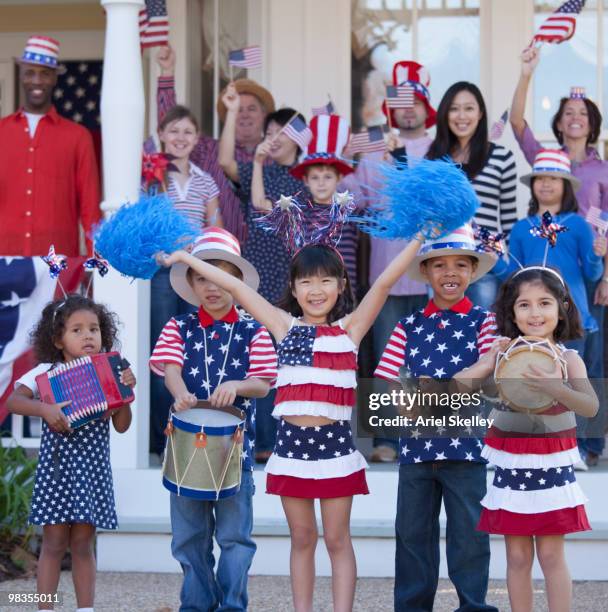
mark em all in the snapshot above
pixel 330 134
pixel 551 162
pixel 577 93
pixel 214 243
pixel 42 51
pixel 460 242
pixel 416 76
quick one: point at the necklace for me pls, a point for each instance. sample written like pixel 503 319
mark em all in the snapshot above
pixel 222 371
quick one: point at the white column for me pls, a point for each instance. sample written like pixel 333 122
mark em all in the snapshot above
pixel 122 126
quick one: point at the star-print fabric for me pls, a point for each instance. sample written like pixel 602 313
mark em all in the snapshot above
pixel 534 491
pixel 74 477
pixel 317 377
pixel 437 343
pixel 265 250
pixel 235 351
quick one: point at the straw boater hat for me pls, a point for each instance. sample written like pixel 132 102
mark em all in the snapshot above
pixel 329 137
pixel 247 86
pixel 459 242
pixel 42 51
pixel 215 243
pixel 551 162
pixel 417 77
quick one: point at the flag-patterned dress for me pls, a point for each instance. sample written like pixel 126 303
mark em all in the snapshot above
pixel 317 377
pixel 534 491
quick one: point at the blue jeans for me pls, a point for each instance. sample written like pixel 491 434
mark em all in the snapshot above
pixel 395 308
pixel 593 439
pixel 422 486
pixel 483 292
pixel 165 303
pixel 265 423
pixel 194 523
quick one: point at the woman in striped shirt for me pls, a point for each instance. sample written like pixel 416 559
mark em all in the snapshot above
pixel 462 134
pixel 193 193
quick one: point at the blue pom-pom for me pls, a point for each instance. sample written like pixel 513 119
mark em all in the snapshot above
pixel 130 239
pixel 432 197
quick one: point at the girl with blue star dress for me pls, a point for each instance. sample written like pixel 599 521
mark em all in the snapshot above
pixel 317 337
pixel 73 493
pixel 534 499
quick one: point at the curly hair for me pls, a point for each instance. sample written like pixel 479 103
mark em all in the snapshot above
pixel 323 260
pixel 569 323
pixel 55 315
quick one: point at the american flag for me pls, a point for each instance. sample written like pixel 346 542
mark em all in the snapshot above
pixel 599 219
pixel 561 24
pixel 328 109
pixel 298 131
pixel 399 96
pixel 369 141
pixel 249 57
pixel 498 127
pixel 154 24
pixel 76 96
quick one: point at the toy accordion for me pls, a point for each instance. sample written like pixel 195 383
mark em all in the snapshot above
pixel 92 383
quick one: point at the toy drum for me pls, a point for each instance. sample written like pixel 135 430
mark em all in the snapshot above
pixel 203 455
pixel 522 353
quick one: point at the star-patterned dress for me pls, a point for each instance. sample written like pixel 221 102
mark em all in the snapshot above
pixel 317 377
pixel 438 343
pixel 235 348
pixel 534 491
pixel 74 476
pixel 264 250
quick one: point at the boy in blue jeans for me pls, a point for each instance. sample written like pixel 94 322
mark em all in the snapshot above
pixel 225 356
pixel 446 336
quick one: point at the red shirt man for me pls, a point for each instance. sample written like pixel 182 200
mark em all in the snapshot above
pixel 49 182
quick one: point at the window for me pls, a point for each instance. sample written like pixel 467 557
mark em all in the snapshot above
pixel 441 34
pixel 582 61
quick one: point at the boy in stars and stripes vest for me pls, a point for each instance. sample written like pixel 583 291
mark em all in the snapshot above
pixel 446 336
pixel 223 355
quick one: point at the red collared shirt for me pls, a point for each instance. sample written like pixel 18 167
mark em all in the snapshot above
pixel 463 306
pixel 48 185
pixel 206 320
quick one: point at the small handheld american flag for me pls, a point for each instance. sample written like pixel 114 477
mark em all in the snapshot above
pixel 399 96
pixel 249 57
pixel 561 24
pixel 498 127
pixel 298 131
pixel 599 219
pixel 370 141
pixel 328 109
pixel 154 24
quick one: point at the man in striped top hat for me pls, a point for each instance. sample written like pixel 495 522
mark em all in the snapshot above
pixel 49 181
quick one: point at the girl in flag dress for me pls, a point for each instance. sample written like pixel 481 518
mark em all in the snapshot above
pixel 534 499
pixel 73 493
pixel 317 339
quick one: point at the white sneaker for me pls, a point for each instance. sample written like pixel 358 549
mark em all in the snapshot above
pixel 581 466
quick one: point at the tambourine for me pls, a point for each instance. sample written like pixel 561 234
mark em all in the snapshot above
pixel 522 353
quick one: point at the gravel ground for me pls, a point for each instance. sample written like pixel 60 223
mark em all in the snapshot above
pixel 130 592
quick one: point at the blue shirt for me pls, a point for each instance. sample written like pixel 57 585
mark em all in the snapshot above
pixel 437 343
pixel 235 348
pixel 572 255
